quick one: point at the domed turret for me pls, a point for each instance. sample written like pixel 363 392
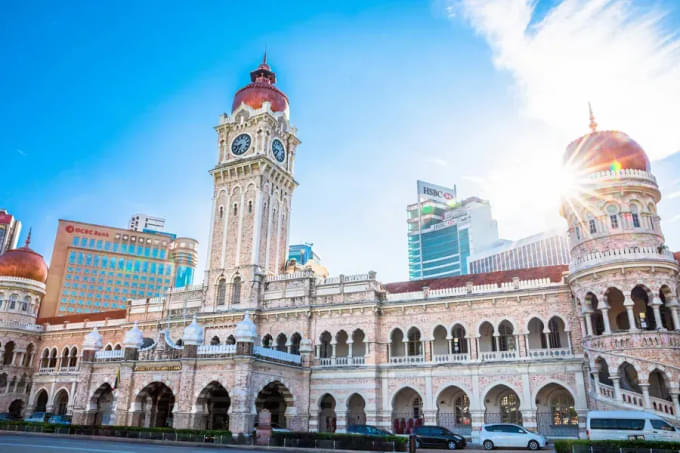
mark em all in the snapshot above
pixel 605 151
pixel 246 331
pixel 93 340
pixel 193 333
pixel 23 263
pixel 260 90
pixel 133 337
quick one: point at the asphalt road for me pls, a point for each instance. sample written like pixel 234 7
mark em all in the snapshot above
pixel 11 443
pixel 40 444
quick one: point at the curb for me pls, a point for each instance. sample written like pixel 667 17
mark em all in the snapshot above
pixel 183 444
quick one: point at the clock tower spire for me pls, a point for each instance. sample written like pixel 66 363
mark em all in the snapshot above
pixel 253 185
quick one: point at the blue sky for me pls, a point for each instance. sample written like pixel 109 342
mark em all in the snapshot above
pixel 108 109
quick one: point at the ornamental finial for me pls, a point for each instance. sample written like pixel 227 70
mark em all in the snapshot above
pixel 28 238
pixel 593 124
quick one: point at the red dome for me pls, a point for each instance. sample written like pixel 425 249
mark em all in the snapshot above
pixel 261 89
pixel 605 151
pixel 23 262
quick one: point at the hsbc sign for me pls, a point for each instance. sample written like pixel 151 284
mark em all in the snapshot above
pixel 434 192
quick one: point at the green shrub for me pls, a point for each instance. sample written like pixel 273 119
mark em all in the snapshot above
pixel 342 441
pixel 566 445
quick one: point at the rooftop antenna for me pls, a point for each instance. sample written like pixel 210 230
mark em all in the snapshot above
pixel 593 124
pixel 28 238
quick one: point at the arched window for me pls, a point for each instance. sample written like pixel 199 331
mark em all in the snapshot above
pixel 231 339
pixel 73 361
pixel 236 291
pixel 27 302
pixel 635 216
pixel 235 208
pixel 591 226
pixel 221 292
pixel 215 341
pixel 577 230
pixel 13 301
pixel 250 206
pixel 221 211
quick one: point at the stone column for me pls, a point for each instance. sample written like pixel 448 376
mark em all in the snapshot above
pixel 656 304
pixel 645 396
pixel 605 319
pixel 449 344
pixel 589 323
pixel 629 304
pixel 582 322
pixel 333 348
pixel 676 405
pixel 596 382
pixel 617 386
pixel 674 313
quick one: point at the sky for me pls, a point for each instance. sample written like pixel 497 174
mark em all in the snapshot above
pixel 107 109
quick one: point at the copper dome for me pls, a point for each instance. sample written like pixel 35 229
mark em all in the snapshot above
pixel 261 89
pixel 24 263
pixel 605 151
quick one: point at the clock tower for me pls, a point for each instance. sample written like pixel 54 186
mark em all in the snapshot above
pixel 253 185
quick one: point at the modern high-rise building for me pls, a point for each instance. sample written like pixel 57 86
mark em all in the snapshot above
pixel 443 233
pixel 549 248
pixel 145 222
pixel 97 268
pixel 10 228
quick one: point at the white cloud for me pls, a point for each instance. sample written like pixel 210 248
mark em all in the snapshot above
pixel 437 161
pixel 614 53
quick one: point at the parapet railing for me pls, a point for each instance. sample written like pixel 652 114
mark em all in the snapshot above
pixel 107 356
pixel 216 349
pixel 426 293
pixel 627 253
pixel 9 324
pixel 276 355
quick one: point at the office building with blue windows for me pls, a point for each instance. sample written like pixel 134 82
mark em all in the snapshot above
pixel 97 268
pixel 442 235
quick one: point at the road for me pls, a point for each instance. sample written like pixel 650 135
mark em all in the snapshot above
pixel 12 443
pixel 41 444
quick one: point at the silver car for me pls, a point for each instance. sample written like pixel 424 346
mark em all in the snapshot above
pixel 508 435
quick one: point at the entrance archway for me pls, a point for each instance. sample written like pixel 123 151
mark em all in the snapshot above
pixel 155 402
pixel 453 410
pixel 356 414
pixel 502 406
pixel 555 413
pixel 327 417
pixel 214 402
pixel 102 400
pixel 61 402
pixel 41 401
pixel 15 409
pixel 274 397
pixel 407 411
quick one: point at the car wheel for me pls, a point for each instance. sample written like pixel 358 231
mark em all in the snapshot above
pixel 488 445
pixel 533 445
pixel 418 443
pixel 452 445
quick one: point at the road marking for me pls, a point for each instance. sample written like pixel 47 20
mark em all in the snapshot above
pixel 63 448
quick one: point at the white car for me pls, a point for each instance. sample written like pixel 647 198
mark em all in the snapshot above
pixel 508 435
pixel 622 425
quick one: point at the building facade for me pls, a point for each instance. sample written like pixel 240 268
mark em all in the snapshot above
pixel 98 268
pixel 536 346
pixel 544 249
pixel 441 236
pixel 10 229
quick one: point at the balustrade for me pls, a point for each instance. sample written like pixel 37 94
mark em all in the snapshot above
pixel 407 359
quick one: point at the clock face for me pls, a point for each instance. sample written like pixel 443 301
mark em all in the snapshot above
pixel 240 144
pixel 278 150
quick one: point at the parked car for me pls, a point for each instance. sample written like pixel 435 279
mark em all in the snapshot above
pixel 367 430
pixel 622 425
pixel 36 417
pixel 508 435
pixel 437 437
pixel 59 420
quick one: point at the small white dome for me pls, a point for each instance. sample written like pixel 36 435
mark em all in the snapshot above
pixel 134 337
pixel 193 333
pixel 93 340
pixel 246 331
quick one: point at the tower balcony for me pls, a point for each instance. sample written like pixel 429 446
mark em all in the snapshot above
pixel 621 255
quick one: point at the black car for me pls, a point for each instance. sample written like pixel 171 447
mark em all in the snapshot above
pixel 437 437
pixel 367 430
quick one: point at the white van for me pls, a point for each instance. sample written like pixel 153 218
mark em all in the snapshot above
pixel 624 425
